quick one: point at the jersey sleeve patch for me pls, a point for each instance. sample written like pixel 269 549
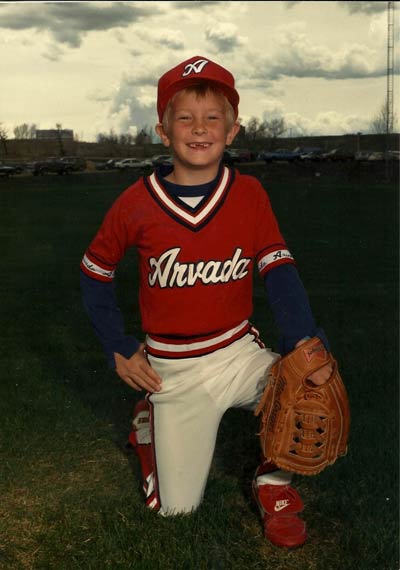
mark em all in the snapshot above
pixel 270 259
pixel 96 270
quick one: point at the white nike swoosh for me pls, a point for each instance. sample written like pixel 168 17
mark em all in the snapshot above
pixel 280 508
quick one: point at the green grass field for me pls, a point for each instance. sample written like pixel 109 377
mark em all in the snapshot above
pixel 70 494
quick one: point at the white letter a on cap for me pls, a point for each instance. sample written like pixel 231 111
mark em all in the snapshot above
pixel 196 67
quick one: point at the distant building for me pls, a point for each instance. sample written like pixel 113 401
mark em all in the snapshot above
pixel 54 134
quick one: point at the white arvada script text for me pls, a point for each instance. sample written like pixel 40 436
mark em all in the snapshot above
pixel 167 271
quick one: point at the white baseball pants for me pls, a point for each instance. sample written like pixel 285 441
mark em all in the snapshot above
pixel 186 414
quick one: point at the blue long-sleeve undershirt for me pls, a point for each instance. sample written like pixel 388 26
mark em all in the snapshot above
pixel 100 302
pixel 290 307
pixel 285 294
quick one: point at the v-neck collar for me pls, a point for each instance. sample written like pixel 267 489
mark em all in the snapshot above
pixel 192 218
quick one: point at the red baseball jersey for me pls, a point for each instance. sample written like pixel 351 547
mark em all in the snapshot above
pixel 196 264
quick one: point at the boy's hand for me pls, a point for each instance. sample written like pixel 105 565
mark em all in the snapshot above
pixel 320 376
pixel 137 372
pixel 304 428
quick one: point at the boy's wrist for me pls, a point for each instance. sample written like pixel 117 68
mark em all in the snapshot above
pixel 302 341
pixel 127 347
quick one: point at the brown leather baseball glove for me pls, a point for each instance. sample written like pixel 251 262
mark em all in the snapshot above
pixel 304 427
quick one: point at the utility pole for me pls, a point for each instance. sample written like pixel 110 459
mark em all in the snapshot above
pixel 389 81
pixel 390 68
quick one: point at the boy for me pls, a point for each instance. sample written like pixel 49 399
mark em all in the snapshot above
pixel 198 227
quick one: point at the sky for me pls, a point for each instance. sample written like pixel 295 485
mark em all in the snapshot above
pixel 93 66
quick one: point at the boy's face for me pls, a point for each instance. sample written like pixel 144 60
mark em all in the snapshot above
pixel 198 131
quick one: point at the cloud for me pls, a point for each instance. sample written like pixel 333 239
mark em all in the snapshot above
pixel 211 5
pixel 353 6
pixel 271 109
pixel 53 53
pixel 291 4
pixel 101 95
pixel 132 104
pixel 296 55
pixel 173 39
pixel 141 76
pixel 130 112
pixel 224 36
pixel 69 22
pixel 325 123
pixel 198 4
pixel 364 7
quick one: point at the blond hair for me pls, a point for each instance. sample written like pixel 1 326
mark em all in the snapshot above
pixel 201 90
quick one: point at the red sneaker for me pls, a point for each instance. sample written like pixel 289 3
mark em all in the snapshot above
pixel 140 439
pixel 279 505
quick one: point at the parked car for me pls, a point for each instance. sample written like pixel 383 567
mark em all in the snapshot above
pixel 19 166
pixel 281 154
pixel 77 163
pixel 242 154
pixel 338 155
pixel 230 156
pixel 7 170
pixel 362 155
pixel 108 165
pixel 376 156
pixel 161 159
pixel 132 163
pixel 391 155
pixel 394 154
pixel 51 165
pixel 264 155
pixel 311 154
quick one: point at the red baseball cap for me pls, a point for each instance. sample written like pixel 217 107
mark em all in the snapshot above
pixel 193 71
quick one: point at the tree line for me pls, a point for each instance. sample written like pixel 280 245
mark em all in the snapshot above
pixel 255 130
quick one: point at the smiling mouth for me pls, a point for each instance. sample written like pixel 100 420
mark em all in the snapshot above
pixel 199 145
